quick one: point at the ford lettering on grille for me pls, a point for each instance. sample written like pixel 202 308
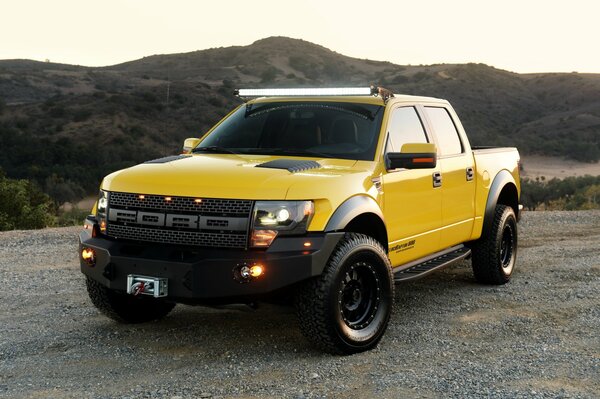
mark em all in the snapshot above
pixel 216 222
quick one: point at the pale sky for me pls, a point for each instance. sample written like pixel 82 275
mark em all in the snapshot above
pixel 521 36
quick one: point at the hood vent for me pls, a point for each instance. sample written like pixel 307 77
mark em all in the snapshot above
pixel 168 159
pixel 291 165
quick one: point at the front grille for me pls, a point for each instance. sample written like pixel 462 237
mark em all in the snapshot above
pixel 205 206
pixel 206 222
pixel 196 238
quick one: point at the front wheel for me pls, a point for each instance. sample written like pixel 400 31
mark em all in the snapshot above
pixel 495 254
pixel 126 308
pixel 346 310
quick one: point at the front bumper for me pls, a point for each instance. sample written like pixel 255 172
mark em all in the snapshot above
pixel 206 275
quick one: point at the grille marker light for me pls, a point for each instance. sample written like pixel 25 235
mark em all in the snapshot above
pixel 141 196
pixel 198 201
pixel 168 199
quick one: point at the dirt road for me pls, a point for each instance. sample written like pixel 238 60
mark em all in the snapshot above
pixel 538 336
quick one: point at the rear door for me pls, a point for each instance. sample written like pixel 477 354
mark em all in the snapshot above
pixel 458 176
pixel 412 205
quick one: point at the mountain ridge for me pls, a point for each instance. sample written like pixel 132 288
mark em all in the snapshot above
pixel 51 113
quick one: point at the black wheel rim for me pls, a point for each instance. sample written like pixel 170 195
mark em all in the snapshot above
pixel 359 296
pixel 507 246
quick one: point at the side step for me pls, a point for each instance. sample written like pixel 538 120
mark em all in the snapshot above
pixel 424 266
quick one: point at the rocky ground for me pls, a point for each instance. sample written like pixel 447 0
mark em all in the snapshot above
pixel 538 336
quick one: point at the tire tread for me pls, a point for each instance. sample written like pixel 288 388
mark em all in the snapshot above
pixel 486 254
pixel 123 308
pixel 312 296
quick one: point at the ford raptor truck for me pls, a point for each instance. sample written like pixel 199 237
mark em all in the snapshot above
pixel 328 197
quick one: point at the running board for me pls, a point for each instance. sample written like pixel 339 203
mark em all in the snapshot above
pixel 424 266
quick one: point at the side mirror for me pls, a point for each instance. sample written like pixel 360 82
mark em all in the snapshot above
pixel 189 145
pixel 412 156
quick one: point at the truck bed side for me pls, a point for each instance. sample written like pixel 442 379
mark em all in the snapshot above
pixel 497 175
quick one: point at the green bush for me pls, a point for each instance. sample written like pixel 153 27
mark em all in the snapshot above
pixel 23 205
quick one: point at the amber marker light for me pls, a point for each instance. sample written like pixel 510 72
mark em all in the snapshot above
pixel 168 199
pixel 263 238
pixel 422 160
pixel 103 225
pixel 141 196
pixel 307 244
pixel 198 201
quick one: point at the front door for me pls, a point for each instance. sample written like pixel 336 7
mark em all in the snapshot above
pixel 412 205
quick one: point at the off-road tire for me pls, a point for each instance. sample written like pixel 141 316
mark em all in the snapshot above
pixel 346 309
pixel 126 308
pixel 495 254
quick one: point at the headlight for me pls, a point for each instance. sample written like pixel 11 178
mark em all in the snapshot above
pixel 101 210
pixel 102 203
pixel 279 217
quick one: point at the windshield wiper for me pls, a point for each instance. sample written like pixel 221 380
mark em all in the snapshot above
pixel 214 149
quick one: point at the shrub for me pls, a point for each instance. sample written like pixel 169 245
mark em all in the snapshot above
pixel 23 205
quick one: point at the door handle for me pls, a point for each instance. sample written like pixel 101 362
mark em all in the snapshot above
pixel 437 179
pixel 470 174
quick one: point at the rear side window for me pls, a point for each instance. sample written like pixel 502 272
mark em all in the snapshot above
pixel 445 131
pixel 405 127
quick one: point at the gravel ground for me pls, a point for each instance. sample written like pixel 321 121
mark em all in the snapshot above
pixel 538 336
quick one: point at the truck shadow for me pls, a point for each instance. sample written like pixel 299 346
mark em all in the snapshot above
pixel 202 333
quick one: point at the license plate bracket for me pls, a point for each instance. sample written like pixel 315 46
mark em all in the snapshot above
pixel 146 285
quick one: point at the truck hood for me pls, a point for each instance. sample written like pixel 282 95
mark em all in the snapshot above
pixel 222 176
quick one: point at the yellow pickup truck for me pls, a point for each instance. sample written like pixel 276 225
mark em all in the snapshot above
pixel 327 197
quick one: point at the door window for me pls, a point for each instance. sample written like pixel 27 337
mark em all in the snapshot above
pixel 404 127
pixel 445 131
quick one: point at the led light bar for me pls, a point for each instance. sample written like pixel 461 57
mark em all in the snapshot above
pixel 333 91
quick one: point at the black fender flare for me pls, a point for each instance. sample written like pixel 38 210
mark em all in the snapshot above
pixel 351 208
pixel 502 179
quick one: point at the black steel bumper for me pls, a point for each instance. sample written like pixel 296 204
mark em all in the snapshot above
pixel 197 275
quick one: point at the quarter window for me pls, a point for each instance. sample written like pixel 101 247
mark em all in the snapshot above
pixel 405 127
pixel 445 131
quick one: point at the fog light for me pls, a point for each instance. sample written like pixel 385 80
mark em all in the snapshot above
pixel 89 256
pixel 256 271
pixel 245 273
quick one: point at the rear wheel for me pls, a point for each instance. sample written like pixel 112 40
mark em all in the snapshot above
pixel 126 308
pixel 495 254
pixel 346 309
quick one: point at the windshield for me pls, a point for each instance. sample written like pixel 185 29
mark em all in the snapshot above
pixel 319 129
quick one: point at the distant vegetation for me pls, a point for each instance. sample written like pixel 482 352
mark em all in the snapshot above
pixel 64 127
pixel 570 193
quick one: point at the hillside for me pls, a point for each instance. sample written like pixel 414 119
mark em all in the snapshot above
pixel 66 126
